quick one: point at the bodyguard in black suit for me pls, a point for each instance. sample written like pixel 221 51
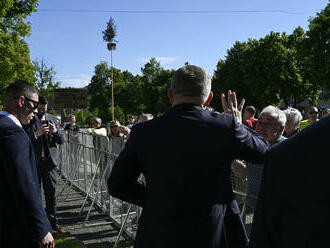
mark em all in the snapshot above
pixel 46 136
pixel 185 157
pixel 293 208
pixel 23 221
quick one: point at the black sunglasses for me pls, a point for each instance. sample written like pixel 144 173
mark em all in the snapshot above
pixel 35 103
pixel 314 112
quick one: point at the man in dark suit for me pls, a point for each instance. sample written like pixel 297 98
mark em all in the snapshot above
pixel 45 135
pixel 185 157
pixel 23 221
pixel 293 206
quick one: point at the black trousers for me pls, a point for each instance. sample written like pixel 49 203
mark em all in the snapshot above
pixel 47 178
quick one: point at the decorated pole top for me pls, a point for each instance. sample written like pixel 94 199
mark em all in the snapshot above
pixel 109 34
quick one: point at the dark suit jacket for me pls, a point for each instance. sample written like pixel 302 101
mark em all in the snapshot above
pixel 293 209
pixel 185 157
pixel 53 140
pixel 22 216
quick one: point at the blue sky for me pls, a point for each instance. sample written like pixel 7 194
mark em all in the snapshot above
pixel 68 33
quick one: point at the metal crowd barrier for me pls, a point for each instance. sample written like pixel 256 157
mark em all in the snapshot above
pixel 87 169
pixel 87 161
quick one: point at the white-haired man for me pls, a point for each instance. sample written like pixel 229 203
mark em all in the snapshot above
pixel 293 119
pixel 270 125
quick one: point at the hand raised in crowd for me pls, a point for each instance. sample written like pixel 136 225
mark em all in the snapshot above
pixel 124 130
pixel 230 105
pixel 47 241
pixel 52 127
pixel 42 130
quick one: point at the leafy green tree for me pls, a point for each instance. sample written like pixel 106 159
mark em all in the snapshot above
pixel 45 78
pixel 317 49
pixel 150 71
pixel 265 71
pixel 134 94
pixel 119 114
pixel 99 90
pixel 156 80
pixel 14 53
pixel 83 116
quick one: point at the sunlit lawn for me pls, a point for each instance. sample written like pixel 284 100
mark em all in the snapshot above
pixel 65 241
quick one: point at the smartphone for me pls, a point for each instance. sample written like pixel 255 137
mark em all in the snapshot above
pixel 45 123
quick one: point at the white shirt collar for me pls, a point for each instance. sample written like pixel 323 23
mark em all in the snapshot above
pixel 10 116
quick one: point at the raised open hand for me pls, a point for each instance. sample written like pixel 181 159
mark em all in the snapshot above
pixel 230 105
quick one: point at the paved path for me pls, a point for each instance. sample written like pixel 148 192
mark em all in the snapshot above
pixel 99 236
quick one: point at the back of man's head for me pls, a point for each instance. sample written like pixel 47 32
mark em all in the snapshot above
pixel 43 100
pixel 18 88
pixel 191 82
pixel 251 110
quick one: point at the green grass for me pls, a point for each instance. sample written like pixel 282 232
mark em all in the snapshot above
pixel 65 242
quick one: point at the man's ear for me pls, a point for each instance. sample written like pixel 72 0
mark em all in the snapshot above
pixel 281 130
pixel 170 95
pixel 20 101
pixel 209 99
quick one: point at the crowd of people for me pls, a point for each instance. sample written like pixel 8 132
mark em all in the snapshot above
pixel 188 153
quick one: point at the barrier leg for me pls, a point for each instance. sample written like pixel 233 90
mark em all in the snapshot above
pixel 122 226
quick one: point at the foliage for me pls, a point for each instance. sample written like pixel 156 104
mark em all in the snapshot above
pixel 155 80
pixel 132 94
pixel 14 60
pixel 53 112
pixel 119 114
pixel 83 116
pixel 317 49
pixel 14 53
pixel 265 71
pixel 100 91
pixel 110 32
pixel 13 13
pixel 66 242
pixel 151 70
pixel 45 78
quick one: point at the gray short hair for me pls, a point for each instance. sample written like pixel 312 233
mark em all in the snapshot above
pixel 191 81
pixel 326 112
pixel 281 118
pixel 97 119
pixel 293 114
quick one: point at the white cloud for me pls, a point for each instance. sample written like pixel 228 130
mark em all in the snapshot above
pixel 75 81
pixel 161 60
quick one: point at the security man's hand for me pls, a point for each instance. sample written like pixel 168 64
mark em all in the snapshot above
pixel 47 241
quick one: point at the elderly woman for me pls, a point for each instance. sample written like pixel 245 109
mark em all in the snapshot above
pixel 118 135
pixel 97 128
pixel 117 130
pixel 293 118
pixel 145 117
